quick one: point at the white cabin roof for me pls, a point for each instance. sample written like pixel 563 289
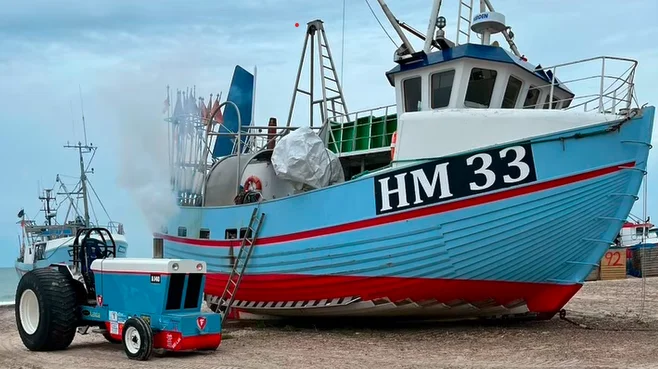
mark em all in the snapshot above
pixel 147 265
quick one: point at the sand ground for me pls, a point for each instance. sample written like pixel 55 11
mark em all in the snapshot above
pixel 616 336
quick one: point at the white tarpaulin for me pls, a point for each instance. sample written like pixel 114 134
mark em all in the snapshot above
pixel 301 156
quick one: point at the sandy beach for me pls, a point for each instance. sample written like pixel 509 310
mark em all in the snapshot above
pixel 614 336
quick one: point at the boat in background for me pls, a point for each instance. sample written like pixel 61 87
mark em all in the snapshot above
pixel 490 188
pixel 51 242
pixel 635 232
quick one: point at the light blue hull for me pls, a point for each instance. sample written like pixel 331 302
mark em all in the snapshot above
pixel 535 242
pixel 58 256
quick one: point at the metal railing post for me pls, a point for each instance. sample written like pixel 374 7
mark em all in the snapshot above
pixel 602 84
pixel 550 95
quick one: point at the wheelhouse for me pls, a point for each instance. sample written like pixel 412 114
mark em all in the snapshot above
pixel 475 77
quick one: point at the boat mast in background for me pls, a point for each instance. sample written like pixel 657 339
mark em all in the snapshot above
pixel 83 149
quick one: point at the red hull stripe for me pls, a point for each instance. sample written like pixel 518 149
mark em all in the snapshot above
pixel 539 297
pixel 411 214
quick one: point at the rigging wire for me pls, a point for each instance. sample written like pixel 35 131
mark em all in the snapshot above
pixel 342 51
pixel 99 201
pixel 380 23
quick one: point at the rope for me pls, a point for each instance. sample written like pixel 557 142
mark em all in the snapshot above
pixel 380 24
pixel 644 235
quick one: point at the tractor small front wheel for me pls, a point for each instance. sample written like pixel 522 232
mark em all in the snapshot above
pixel 137 339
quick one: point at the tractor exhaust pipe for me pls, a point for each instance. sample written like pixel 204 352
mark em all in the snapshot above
pixel 158 248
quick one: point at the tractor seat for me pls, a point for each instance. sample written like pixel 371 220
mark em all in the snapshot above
pixel 92 249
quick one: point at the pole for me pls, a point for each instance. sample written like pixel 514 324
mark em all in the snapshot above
pixel 429 37
pixel 83 179
pixel 396 26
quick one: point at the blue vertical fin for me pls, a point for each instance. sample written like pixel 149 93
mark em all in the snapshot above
pixel 241 93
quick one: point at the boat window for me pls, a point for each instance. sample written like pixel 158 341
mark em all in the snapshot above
pixel 480 88
pixel 182 232
pixel 511 92
pixel 441 85
pixel 245 232
pixel 412 92
pixel 639 231
pixel 204 233
pixel 531 98
pixel 231 234
pixel 40 251
pixel 547 100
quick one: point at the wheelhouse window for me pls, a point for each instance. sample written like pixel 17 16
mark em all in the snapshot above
pixel 511 92
pixel 480 88
pixel 412 94
pixel 182 232
pixel 441 88
pixel 546 102
pixel 531 98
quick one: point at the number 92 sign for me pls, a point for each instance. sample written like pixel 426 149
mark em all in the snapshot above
pixel 454 177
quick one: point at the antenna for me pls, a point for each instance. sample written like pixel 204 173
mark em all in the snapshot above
pixel 82 109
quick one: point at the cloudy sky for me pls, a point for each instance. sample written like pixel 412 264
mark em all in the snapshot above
pixel 122 54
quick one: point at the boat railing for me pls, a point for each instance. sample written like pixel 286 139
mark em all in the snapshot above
pixel 610 90
pixel 115 227
pixel 362 132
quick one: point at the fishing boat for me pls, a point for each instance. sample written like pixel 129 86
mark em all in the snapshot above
pixel 51 242
pixel 635 232
pixel 493 185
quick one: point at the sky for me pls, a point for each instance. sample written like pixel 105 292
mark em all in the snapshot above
pixel 119 56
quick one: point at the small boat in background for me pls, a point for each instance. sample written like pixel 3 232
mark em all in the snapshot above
pixel 635 232
pixel 51 242
pixel 493 186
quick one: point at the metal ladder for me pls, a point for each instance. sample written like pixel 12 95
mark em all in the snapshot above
pixel 465 6
pixel 240 263
pixel 333 105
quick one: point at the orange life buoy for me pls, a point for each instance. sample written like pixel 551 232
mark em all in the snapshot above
pixel 253 182
pixel 394 141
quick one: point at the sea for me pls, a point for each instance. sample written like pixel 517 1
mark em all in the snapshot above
pixel 8 283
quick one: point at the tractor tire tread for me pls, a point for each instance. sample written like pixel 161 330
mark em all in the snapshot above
pixel 57 309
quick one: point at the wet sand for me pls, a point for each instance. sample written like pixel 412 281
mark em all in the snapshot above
pixel 616 336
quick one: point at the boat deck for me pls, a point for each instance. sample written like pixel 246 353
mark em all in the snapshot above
pixel 607 306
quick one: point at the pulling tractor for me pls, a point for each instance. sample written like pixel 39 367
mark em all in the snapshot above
pixel 142 303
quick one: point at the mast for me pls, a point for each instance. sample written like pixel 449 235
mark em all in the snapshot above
pixel 83 149
pixel 46 206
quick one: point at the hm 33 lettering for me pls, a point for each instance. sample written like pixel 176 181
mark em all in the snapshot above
pixel 454 177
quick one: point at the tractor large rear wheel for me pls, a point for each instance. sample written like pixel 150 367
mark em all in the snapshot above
pixel 46 310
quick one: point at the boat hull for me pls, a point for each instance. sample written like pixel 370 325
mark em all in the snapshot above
pixel 60 254
pixel 521 248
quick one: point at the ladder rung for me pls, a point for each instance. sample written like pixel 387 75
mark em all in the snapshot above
pixel 331 89
pixel 465 19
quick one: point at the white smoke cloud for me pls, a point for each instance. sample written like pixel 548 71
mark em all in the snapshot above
pixel 137 100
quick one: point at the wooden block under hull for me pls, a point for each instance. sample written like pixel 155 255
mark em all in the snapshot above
pixel 613 264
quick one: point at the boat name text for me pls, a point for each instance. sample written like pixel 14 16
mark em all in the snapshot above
pixel 455 177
